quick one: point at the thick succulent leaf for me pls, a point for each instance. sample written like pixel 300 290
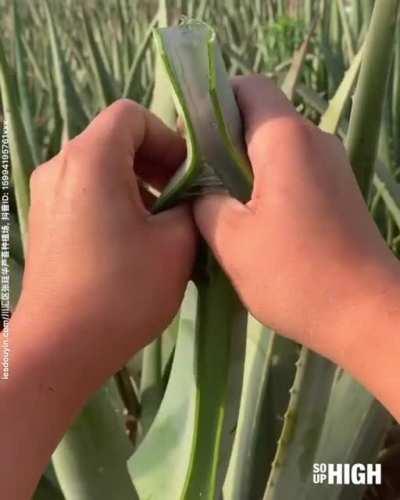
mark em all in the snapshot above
pixel 358 441
pixel 220 324
pixel 90 461
pixel 292 77
pixel 268 376
pixel 131 80
pixel 215 158
pixel 25 96
pixel 22 162
pixel 330 120
pixel 309 396
pixel 151 383
pixel 46 490
pixel 105 88
pixel 73 115
pixel 220 333
pixel 161 105
pixel 159 466
pixel 363 133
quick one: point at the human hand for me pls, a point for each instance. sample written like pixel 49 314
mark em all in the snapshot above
pixel 101 272
pixel 304 254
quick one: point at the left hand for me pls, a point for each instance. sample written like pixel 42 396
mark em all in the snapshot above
pixel 103 276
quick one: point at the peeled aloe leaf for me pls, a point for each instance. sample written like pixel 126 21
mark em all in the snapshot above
pixel 216 158
pixel 205 100
pixel 358 441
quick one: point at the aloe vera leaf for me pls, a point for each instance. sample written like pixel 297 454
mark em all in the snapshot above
pixel 90 461
pixel 220 336
pixel 289 84
pixel 357 442
pixel 130 83
pixel 15 240
pixel 151 383
pixel 363 135
pixel 348 35
pixel 268 375
pixel 104 85
pixel 215 155
pixel 73 115
pixel 312 98
pixel 396 99
pixel 151 387
pixel 46 490
pixel 21 159
pixel 218 358
pixel 159 465
pixel 330 120
pixel 25 98
pixel 283 469
pixel 100 40
pixel 35 64
pixel 391 203
pixel 302 426
pixel 161 105
pixel 16 272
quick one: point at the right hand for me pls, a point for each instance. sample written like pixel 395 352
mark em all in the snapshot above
pixel 304 253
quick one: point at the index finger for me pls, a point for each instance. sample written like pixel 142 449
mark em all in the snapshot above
pixel 264 109
pixel 127 135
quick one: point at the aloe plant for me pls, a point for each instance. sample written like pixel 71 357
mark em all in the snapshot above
pixel 199 435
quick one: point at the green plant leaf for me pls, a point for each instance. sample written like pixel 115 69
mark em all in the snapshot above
pixel 268 375
pixel 363 134
pixel 90 461
pixel 72 113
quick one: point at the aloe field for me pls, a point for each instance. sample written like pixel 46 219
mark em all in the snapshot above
pixel 219 406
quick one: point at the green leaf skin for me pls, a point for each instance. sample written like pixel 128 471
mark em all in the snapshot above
pixel 90 461
pixel 25 97
pixel 105 88
pixel 159 466
pixel 215 156
pixel 219 337
pixel 358 441
pixel 268 375
pixel 330 120
pixel 220 334
pixel 302 427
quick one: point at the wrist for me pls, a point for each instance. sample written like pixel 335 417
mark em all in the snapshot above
pixel 44 350
pixel 367 336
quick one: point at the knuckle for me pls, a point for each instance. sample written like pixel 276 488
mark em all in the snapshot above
pixel 74 153
pixel 124 109
pixel 34 179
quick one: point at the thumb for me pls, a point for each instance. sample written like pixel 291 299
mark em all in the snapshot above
pixel 222 220
pixel 175 233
